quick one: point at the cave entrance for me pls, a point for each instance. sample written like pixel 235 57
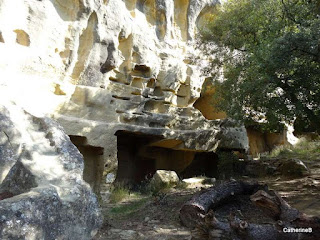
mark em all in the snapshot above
pixel 93 162
pixel 141 155
pixel 203 164
pixel 133 165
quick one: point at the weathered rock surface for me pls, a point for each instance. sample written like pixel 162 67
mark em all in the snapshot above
pixel 259 141
pixel 276 166
pixel 162 177
pixel 9 149
pixel 294 168
pixel 43 195
pixel 103 67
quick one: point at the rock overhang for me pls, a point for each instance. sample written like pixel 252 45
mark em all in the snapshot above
pixel 104 67
pixel 130 63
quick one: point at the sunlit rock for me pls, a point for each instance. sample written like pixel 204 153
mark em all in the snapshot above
pixel 42 195
pixel 106 70
pixel 165 177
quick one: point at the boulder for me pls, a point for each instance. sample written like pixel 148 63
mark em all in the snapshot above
pixel 293 168
pixel 43 195
pixel 164 178
pixel 8 148
pixel 276 166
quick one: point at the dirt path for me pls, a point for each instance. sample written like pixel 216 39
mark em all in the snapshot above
pixel 157 217
pixel 152 217
pixel 301 193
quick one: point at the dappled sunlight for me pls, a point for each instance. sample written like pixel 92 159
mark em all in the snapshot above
pixel 33 93
pixel 145 216
pixel 301 193
pixel 290 136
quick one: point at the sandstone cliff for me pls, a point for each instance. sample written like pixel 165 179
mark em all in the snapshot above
pixel 114 74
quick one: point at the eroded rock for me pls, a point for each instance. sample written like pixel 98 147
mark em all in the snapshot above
pixel 43 195
pixel 102 67
pixel 276 166
pixel 163 177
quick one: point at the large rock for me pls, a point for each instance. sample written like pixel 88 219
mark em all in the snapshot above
pixel 165 177
pixel 101 67
pixel 9 149
pixel 43 195
pixel 293 167
pixel 276 166
pixel 162 179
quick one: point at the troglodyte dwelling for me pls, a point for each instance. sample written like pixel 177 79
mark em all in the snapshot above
pixel 119 77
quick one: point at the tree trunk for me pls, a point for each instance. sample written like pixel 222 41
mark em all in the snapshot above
pixel 194 210
pixel 198 214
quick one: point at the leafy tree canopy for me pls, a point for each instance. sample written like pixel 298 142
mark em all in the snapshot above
pixel 269 51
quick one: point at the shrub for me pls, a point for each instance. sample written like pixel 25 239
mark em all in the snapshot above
pixel 118 193
pixel 228 165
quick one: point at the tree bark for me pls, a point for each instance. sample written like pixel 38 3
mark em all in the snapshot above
pixel 198 214
pixel 194 210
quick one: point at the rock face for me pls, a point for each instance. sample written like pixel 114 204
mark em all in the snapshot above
pixel 259 141
pixel 162 178
pixel 42 193
pixel 118 76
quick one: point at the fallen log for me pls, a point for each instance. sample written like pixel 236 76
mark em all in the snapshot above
pixel 273 204
pixel 206 214
pixel 237 229
pixel 194 210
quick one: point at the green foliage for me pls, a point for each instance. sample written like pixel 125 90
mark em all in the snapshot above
pixel 159 187
pixel 269 51
pixel 119 193
pixel 181 185
pixel 130 208
pixel 228 165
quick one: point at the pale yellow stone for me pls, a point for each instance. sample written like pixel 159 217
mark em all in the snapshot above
pixel 100 66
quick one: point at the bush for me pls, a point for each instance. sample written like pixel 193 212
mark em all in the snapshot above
pixel 119 193
pixel 228 165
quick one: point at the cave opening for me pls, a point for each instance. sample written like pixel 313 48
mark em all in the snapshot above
pixel 93 162
pixel 133 165
pixel 141 155
pixel 203 164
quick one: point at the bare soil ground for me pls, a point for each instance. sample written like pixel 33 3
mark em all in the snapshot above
pixel 301 193
pixel 157 217
pixel 147 217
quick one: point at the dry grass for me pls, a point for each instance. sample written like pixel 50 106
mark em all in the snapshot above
pixel 304 149
pixel 118 194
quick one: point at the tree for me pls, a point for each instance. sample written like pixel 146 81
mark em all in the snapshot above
pixel 269 51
